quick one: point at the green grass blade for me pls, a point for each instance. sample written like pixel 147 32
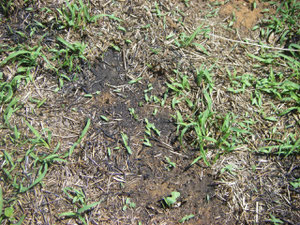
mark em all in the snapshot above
pixel 13 55
pixel 7 173
pixel 67 44
pixel 87 207
pixel 208 100
pixel 186 218
pixel 9 110
pixel 84 131
pixel 68 214
pixel 21 220
pixel 33 130
pixel 82 219
pixel 295 148
pixel 260 59
pixel 9 158
pixel 201 47
pixel 125 141
pixel 289 110
pixel 38 180
pixel 193 35
pixel 51 157
pixel 8 93
pixel 196 160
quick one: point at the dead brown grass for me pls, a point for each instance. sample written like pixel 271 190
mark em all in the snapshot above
pixel 259 185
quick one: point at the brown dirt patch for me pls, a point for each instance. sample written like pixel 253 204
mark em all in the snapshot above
pixel 243 12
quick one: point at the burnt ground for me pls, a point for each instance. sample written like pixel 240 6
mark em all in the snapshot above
pixel 100 90
pixel 144 176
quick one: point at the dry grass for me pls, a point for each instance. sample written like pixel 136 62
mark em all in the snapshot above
pixel 256 185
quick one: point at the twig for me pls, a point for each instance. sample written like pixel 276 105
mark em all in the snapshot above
pixel 254 44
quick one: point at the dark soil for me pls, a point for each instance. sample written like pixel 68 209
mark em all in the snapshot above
pixel 145 175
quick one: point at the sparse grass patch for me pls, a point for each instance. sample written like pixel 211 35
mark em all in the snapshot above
pixel 67 56
pixel 285 24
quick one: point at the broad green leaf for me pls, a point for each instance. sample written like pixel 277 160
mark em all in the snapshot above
pixel 9 212
pixel 171 200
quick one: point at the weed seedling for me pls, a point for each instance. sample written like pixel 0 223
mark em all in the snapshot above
pixel 75 195
pixel 8 213
pixel 186 218
pixel 168 202
pixel 146 142
pixel 149 127
pixel 171 164
pixel 80 212
pixel 128 204
pixel 133 114
pixel 125 142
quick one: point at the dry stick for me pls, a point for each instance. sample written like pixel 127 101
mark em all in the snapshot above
pixel 254 44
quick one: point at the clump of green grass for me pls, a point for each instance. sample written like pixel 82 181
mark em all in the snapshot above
pixel 284 24
pixel 185 40
pixel 67 53
pixel 287 147
pixel 27 169
pixel 79 213
pixel 76 15
pixel 26 59
pixel 203 129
